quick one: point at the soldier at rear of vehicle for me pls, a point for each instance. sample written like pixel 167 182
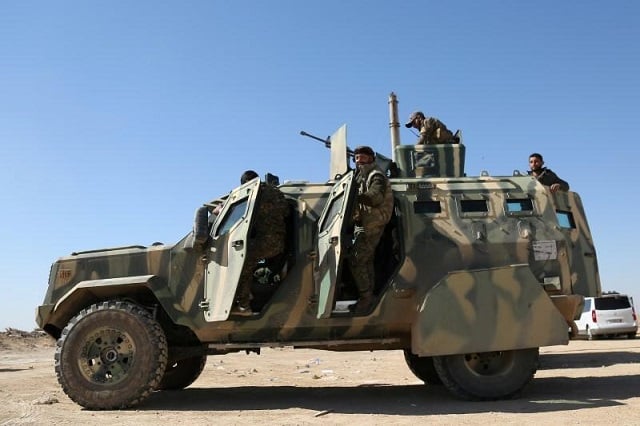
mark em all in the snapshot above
pixel 372 212
pixel 544 175
pixel 432 130
pixel 266 239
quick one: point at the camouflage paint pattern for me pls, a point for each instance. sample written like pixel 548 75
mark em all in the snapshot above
pixel 472 264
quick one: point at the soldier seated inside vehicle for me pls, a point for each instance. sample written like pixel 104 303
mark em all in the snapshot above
pixel 266 238
pixel 268 273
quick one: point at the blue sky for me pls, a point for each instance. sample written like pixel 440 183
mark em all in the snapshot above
pixel 118 118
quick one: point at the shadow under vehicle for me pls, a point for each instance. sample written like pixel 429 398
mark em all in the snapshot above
pixel 473 275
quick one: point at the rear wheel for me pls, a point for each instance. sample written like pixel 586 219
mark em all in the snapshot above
pixel 422 367
pixel 631 335
pixel 182 373
pixel 488 375
pixel 111 355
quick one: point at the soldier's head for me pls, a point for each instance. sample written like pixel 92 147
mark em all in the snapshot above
pixel 415 120
pixel 247 176
pixel 535 162
pixel 363 155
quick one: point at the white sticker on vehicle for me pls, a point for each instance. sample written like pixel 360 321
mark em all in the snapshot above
pixel 545 250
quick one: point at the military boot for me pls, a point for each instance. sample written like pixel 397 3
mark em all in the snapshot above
pixel 364 304
pixel 243 311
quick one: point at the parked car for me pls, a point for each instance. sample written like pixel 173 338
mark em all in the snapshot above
pixel 608 315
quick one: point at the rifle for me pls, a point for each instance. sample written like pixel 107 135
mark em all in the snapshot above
pixel 326 142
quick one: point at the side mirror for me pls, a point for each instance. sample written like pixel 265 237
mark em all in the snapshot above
pixel 201 225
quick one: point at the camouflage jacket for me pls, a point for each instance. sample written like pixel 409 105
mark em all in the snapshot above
pixel 548 178
pixel 434 131
pixel 272 211
pixel 375 197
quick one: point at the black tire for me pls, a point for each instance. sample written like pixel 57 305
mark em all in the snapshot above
pixel 182 373
pixel 487 376
pixel 631 335
pixel 422 367
pixel 111 355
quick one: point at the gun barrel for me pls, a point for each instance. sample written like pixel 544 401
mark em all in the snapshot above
pixel 326 142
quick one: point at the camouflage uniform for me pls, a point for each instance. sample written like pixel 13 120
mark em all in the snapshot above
pixel 546 177
pixel 373 211
pixel 267 237
pixel 434 131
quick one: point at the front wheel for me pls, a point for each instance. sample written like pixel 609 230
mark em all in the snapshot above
pixel 488 375
pixel 111 355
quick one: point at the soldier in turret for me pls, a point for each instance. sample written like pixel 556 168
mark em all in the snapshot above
pixel 373 211
pixel 266 239
pixel 544 175
pixel 432 130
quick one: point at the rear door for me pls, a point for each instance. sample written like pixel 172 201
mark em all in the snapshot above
pixel 227 252
pixel 614 311
pixel 332 243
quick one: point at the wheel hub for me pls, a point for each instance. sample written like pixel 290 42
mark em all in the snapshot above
pixel 107 356
pixel 488 363
pixel 110 355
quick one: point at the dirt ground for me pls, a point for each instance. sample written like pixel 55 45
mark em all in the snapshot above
pixel 583 383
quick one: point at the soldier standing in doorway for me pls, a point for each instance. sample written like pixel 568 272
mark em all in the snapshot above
pixel 373 211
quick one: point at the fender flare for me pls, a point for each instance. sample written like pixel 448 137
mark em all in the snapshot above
pixel 87 292
pixel 486 310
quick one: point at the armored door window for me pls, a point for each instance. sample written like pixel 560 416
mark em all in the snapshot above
pixel 233 215
pixel 332 212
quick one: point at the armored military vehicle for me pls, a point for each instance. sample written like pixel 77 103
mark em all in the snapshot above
pixel 473 276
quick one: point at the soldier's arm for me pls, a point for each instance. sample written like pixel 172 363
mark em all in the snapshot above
pixel 564 185
pixel 422 140
pixel 375 194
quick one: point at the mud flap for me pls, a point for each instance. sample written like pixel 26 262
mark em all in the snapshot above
pixel 487 310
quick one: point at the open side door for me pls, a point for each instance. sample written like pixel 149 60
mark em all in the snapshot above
pixel 227 252
pixel 331 242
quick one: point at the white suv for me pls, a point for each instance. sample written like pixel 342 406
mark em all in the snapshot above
pixel 608 315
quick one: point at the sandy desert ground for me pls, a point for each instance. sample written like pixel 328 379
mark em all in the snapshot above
pixel 586 382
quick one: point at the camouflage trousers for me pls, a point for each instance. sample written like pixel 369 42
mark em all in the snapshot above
pixel 362 257
pixel 258 249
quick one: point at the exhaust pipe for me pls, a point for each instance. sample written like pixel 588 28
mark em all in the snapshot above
pixel 394 124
